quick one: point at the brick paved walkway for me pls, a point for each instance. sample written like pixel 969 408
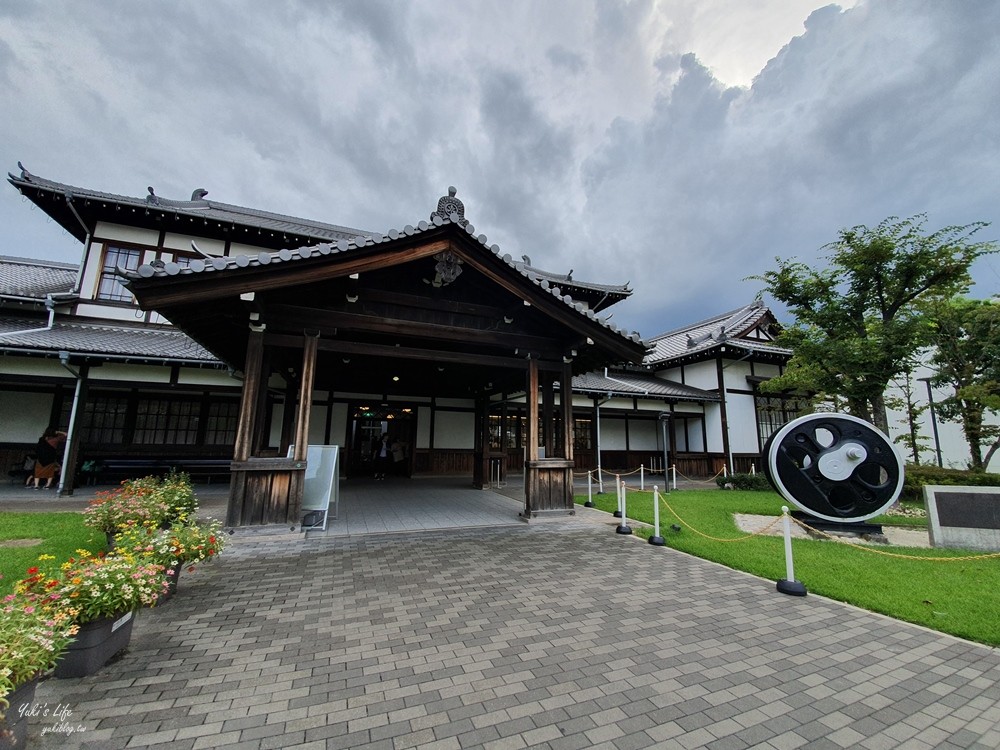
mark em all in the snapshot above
pixel 556 634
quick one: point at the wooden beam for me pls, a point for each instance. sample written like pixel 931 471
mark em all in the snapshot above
pixel 184 289
pixel 566 404
pixel 295 317
pixel 404 352
pixel 251 384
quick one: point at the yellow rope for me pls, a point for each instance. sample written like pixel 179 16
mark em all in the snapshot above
pixel 875 551
pixel 715 538
pixel 701 481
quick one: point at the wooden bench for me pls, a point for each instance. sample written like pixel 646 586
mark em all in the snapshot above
pixel 111 470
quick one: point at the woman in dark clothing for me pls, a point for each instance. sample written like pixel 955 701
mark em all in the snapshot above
pixel 48 454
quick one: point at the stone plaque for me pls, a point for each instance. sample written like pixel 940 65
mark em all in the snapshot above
pixel 964 517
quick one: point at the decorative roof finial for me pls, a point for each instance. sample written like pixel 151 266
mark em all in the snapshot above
pixel 449 205
pixel 151 198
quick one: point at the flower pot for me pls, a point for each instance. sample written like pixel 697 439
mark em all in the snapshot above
pixel 95 644
pixel 14 726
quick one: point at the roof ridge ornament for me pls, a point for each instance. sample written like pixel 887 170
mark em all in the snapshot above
pixel 448 205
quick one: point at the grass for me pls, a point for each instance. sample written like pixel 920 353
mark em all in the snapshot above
pixel 951 597
pixel 61 534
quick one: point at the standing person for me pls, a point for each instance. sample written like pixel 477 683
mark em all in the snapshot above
pixel 382 456
pixel 48 454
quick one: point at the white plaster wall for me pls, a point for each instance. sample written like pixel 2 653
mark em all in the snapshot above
pixel 182 242
pixel 642 435
pixel 766 370
pixel 23 416
pixel 277 414
pixel 338 425
pixel 734 374
pixel 109 312
pixel 132 235
pixel 31 367
pixel 742 423
pixel 317 424
pixel 454 429
pixel 612 434
pixel 209 377
pixel 713 425
pixel 423 427
pixel 700 375
pixel 131 373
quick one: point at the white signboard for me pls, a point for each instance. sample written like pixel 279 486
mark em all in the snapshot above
pixel 322 481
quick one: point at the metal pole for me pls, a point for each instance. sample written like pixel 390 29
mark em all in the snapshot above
pixel 934 427
pixel 657 539
pixel 789 585
pixel 674 469
pixel 642 478
pixel 618 489
pixel 623 527
pixel 590 490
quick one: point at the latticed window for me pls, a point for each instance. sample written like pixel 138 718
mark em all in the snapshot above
pixel 582 434
pixel 775 411
pixel 220 428
pixel 163 421
pixel 109 287
pixel 102 419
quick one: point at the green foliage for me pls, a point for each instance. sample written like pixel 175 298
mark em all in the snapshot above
pixel 915 477
pixel 945 596
pixel 751 482
pixel 967 359
pixel 61 535
pixel 858 323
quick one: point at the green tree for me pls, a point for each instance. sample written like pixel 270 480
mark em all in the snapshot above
pixel 967 359
pixel 858 322
pixel 907 403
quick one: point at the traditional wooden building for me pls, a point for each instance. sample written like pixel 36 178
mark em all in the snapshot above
pixel 198 331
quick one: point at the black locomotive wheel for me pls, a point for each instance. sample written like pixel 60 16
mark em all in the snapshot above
pixel 834 466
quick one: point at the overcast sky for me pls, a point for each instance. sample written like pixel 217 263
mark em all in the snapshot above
pixel 679 145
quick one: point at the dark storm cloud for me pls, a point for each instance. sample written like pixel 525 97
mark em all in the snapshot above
pixel 587 134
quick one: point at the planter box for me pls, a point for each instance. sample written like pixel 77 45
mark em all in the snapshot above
pixel 95 644
pixel 14 727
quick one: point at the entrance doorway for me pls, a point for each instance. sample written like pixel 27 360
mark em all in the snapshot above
pixel 368 424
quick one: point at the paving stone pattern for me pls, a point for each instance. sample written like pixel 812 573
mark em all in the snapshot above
pixel 558 635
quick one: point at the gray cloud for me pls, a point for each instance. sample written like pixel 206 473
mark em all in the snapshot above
pixel 588 134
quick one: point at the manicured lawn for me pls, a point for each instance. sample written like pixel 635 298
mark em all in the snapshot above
pixel 956 597
pixel 61 534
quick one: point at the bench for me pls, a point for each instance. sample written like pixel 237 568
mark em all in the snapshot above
pixel 110 470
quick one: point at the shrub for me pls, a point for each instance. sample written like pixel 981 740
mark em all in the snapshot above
pixel 31 640
pixel 149 502
pixel 754 482
pixel 915 477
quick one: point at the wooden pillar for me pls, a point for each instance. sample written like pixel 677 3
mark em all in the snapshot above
pixel 566 402
pixel 481 451
pixel 548 414
pixel 288 415
pixel 306 382
pixel 245 426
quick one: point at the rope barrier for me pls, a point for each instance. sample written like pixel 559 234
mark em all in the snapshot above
pixel 875 551
pixel 715 538
pixel 701 481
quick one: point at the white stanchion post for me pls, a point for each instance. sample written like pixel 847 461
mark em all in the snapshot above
pixel 642 478
pixel 788 585
pixel 674 469
pixel 590 490
pixel 753 470
pixel 600 480
pixel 623 527
pixel 657 539
pixel 618 490
pixel 725 472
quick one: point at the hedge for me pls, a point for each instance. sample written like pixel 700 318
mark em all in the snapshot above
pixel 915 477
pixel 754 482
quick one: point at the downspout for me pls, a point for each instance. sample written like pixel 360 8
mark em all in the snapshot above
pixel 664 418
pixel 68 448
pixel 597 419
pixel 50 304
pixel 621 382
pixel 86 244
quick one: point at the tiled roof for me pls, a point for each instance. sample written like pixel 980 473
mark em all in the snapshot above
pixel 567 280
pixel 631 384
pixel 264 258
pixel 160 344
pixel 33 279
pixel 224 213
pixel 725 329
